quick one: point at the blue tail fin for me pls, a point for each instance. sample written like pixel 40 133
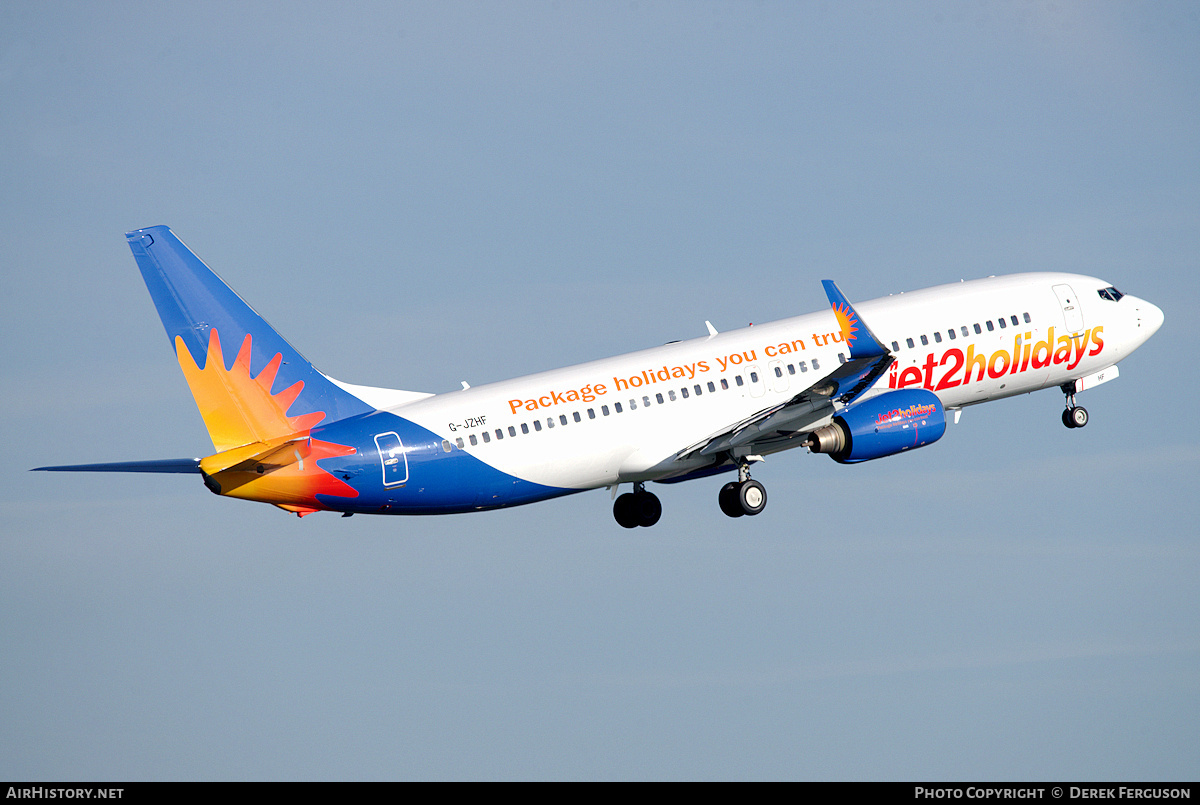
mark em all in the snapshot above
pixel 268 390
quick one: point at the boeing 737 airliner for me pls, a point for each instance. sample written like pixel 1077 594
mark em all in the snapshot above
pixel 856 382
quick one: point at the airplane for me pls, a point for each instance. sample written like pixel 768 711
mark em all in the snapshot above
pixel 854 382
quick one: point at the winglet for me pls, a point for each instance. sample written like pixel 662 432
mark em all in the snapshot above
pixel 855 332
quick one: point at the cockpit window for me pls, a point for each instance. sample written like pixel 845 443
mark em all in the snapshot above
pixel 1110 293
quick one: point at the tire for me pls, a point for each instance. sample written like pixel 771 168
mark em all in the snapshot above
pixel 625 511
pixel 1079 417
pixel 1066 418
pixel 728 500
pixel 648 508
pixel 752 497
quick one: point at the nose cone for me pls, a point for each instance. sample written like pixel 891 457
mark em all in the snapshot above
pixel 1150 317
pixel 1147 318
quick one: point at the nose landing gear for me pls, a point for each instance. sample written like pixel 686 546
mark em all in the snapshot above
pixel 1075 416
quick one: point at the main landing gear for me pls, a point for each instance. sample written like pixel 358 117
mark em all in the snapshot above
pixel 743 496
pixel 1075 416
pixel 637 508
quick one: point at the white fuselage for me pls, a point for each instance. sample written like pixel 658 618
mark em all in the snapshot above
pixel 627 418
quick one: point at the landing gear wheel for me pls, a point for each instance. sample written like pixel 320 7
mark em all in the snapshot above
pixel 1079 417
pixel 742 497
pixel 640 508
pixel 752 497
pixel 1075 417
pixel 728 500
pixel 648 507
pixel 625 511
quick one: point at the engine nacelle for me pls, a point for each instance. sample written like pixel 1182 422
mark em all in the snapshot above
pixel 882 426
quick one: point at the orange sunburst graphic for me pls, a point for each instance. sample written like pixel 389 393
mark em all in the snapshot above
pixel 847 321
pixel 239 409
pixel 263 454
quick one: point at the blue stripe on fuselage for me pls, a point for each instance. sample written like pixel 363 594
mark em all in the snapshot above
pixel 437 482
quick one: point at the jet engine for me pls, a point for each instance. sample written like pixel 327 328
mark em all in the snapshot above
pixel 881 426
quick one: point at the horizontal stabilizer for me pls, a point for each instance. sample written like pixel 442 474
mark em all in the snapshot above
pixel 178 465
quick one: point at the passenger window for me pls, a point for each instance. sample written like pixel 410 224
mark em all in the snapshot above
pixel 966 333
pixel 617 406
pixel 924 340
pixel 459 442
pixel 711 387
pixel 591 413
pixel 446 445
pixel 895 346
pixel 575 416
pixel 841 358
pixel 524 428
pixel 646 401
pixel 671 394
pixel 816 364
pixel 952 334
pixel 977 330
pixel 512 431
pixel 791 368
pixel 604 409
pixel 803 366
pixel 754 377
pixel 989 326
pixel 549 422
pixel 1001 322
pixel 1014 321
pixel 537 424
pixel 684 391
pixel 487 437
pixel 633 405
pixel 474 441
pixel 778 371
pixel 937 337
pixel 910 343
pixel 738 380
pixel 562 418
pixel 659 397
pixel 499 433
pixel 724 384
pixel 1027 319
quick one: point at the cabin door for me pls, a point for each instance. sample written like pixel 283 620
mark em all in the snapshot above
pixel 1069 302
pixel 393 459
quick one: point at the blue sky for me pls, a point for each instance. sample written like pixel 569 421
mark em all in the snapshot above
pixel 418 194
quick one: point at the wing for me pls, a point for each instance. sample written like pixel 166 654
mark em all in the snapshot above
pixel 869 360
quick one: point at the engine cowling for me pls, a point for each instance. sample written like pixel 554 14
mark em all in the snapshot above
pixel 882 426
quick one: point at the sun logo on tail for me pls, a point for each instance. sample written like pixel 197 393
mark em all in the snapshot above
pixel 262 453
pixel 847 321
pixel 239 409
